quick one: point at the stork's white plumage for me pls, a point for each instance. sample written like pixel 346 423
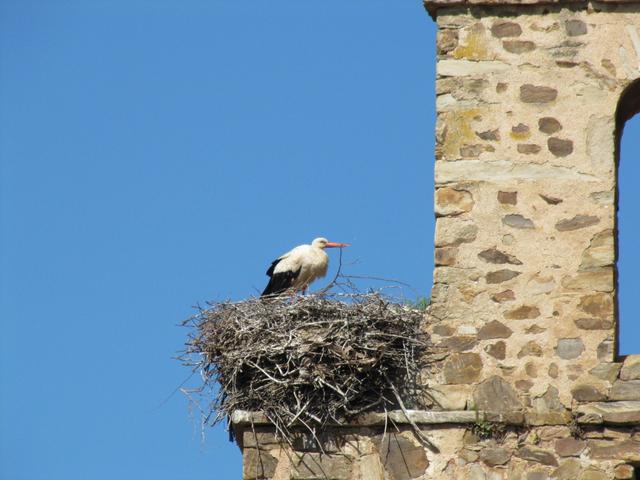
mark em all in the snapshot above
pixel 300 266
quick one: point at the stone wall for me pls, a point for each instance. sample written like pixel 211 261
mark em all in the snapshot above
pixel 525 279
pixel 599 444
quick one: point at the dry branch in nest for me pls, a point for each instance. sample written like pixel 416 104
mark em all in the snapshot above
pixel 309 360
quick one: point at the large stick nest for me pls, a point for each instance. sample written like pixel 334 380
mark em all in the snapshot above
pixel 309 360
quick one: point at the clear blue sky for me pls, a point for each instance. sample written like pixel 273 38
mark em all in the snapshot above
pixel 148 151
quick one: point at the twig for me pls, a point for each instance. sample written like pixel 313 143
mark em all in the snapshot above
pixel 335 278
pixel 380 279
pixel 413 424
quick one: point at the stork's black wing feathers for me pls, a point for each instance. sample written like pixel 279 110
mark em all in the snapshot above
pixel 279 282
pixel 273 265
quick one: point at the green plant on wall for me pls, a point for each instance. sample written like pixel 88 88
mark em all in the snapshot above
pixel 420 303
pixel 485 429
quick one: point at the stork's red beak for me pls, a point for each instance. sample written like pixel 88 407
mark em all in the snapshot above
pixel 335 245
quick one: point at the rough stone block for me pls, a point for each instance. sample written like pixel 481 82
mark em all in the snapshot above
pixel 496 395
pixel 537 475
pixel 259 439
pixel 524 385
pixel 257 464
pixel 446 256
pixel 370 466
pixel 606 371
pixel 312 466
pixel 525 312
pixel 451 397
pixel 446 41
pixel 598 305
pixel 506 172
pixel 530 349
pixel 593 323
pixel 577 222
pixel 575 27
pixel 538 455
pixel 622 412
pixel 549 125
pixel 624 472
pixel 569 470
pixel 603 198
pixel 560 147
pixel 630 368
pixel 497 350
pixel 443 330
pixel 569 348
pixel 537 94
pixel 462 368
pixel 504 296
pixel 605 350
pixel 402 458
pixel 450 201
pixel 570 447
pixel 494 329
pixel 589 392
pixel 518 46
pixel 493 255
pixel 592 473
pixel 454 231
pixel 502 29
pixel 508 198
pixel 493 456
pixel 306 442
pixel 528 148
pixel 501 276
pixel 600 280
pixel 601 251
pixel 550 401
pixel 547 418
pixel 627 450
pixel 551 200
pixel 517 221
pixel 459 343
pixel 464 68
pixel 625 390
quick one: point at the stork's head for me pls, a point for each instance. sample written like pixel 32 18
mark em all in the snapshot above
pixel 323 243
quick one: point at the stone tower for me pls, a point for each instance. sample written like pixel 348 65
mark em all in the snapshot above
pixel 532 97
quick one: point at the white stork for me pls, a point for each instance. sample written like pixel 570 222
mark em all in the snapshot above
pixel 299 267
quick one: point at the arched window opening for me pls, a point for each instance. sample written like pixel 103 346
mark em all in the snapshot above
pixel 628 220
